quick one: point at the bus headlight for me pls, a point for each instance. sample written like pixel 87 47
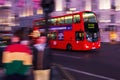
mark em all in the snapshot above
pixel 86 46
pixel 77 42
pixel 99 45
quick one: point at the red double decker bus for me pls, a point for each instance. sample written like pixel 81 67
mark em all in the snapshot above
pixel 76 31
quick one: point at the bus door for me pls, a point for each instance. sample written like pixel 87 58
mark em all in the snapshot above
pixel 53 39
pixel 79 37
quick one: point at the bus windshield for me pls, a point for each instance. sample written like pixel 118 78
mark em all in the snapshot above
pixel 91 26
pixel 89 17
pixel 92 37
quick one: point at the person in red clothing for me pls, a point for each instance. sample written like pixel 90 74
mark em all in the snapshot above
pixel 17 59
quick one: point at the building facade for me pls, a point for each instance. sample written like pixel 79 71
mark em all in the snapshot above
pixel 21 13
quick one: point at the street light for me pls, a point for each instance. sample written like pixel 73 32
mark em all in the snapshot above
pixel 48 7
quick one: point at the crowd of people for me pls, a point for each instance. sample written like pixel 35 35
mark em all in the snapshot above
pixel 23 54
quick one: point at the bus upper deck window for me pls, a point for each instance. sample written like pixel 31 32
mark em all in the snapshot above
pixel 49 21
pixel 57 21
pixel 89 17
pixel 76 18
pixel 61 20
pixel 68 19
pixel 37 23
pixel 52 21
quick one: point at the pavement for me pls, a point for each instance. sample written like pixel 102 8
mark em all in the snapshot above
pixel 57 73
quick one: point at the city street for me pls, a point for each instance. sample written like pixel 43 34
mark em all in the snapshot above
pixel 102 64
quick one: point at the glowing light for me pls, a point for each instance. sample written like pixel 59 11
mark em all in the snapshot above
pixel 73 9
pixel 8 4
pixel 88 5
pixel 39 11
pixel 113 35
pixel 59 6
pixel 117 3
pixel 104 4
pixel 104 20
pixel 86 46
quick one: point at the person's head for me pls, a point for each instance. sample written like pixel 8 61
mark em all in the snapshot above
pixel 17 36
pixel 41 40
pixel 15 39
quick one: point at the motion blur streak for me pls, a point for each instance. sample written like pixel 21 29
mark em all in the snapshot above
pixel 90 74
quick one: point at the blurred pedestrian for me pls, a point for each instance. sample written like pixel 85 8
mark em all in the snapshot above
pixel 42 68
pixel 41 43
pixel 41 60
pixel 17 59
pixel 34 50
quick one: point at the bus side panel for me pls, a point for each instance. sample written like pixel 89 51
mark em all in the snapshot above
pixel 53 44
pixel 61 44
pixel 58 44
pixel 78 27
pixel 68 38
pixel 78 45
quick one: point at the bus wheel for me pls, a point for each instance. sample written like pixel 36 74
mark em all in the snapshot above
pixel 69 47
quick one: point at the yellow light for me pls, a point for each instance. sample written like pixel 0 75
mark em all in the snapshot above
pixel 39 11
pixel 113 36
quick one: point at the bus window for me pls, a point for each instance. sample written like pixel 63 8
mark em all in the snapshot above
pixel 49 21
pixel 68 19
pixel 52 21
pixel 53 35
pixel 40 23
pixel 58 21
pixel 37 23
pixel 89 17
pixel 79 35
pixel 92 37
pixel 55 21
pixel 76 18
pixel 62 20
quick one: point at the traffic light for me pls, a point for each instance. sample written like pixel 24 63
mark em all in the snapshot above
pixel 48 5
